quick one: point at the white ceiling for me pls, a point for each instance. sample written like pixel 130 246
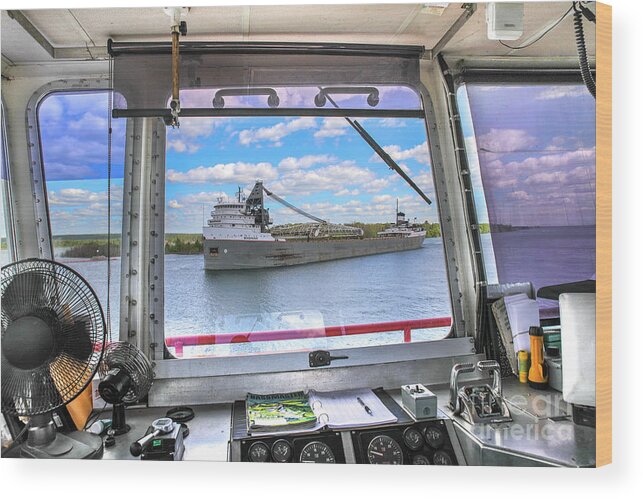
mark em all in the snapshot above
pixel 377 23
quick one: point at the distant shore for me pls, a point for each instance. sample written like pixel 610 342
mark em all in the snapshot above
pixel 95 246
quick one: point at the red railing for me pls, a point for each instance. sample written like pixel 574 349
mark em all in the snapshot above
pixel 178 342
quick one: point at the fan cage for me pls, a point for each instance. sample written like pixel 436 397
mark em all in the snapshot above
pixel 61 297
pixel 130 358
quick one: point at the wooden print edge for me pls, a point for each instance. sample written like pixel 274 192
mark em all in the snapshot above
pixel 603 234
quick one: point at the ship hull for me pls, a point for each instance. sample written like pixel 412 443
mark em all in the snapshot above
pixel 237 255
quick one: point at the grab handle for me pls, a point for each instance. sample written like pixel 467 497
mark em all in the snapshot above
pixel 219 102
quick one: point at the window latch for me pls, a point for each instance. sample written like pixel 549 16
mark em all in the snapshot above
pixel 320 358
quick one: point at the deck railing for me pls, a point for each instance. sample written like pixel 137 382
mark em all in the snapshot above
pixel 406 327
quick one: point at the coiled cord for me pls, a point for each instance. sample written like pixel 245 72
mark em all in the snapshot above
pixel 585 70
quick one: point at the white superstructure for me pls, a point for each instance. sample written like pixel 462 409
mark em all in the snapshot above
pixel 230 220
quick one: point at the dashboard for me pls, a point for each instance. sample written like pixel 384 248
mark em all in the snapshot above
pixel 430 442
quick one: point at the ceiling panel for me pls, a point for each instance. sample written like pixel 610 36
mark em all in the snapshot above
pixel 377 23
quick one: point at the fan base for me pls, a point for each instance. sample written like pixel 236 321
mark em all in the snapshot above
pixel 75 445
pixel 120 431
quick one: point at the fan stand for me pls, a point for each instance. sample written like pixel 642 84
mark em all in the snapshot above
pixel 44 442
pixel 119 426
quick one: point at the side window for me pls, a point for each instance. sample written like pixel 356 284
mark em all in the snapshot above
pixel 73 132
pixel 532 150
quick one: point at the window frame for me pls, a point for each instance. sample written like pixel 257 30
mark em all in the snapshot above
pixel 6 194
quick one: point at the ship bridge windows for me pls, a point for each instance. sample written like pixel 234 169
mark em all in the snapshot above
pixel 74 141
pixel 532 152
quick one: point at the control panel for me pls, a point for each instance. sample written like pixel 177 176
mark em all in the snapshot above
pixel 323 448
pixel 425 443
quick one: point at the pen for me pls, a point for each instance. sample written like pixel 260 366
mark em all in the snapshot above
pixel 366 408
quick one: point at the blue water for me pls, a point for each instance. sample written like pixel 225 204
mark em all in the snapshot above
pixel 379 288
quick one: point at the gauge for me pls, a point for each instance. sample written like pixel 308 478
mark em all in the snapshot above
pixel 316 452
pixel 384 450
pixel 421 459
pixel 281 451
pixel 434 436
pixel 413 438
pixel 259 452
pixel 442 458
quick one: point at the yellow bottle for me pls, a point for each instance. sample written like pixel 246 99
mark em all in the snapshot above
pixel 523 365
pixel 538 371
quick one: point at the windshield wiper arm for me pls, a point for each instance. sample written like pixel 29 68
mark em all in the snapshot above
pixel 390 162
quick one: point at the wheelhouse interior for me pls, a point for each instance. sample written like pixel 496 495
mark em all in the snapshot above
pixel 122 144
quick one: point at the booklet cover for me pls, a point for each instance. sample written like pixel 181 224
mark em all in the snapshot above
pixel 279 411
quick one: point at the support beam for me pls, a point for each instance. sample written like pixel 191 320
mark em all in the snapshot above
pixel 469 10
pixel 143 236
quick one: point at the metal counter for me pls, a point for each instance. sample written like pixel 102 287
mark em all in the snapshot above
pixel 541 433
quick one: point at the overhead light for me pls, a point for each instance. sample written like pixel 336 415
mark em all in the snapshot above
pixel 505 20
pixel 434 9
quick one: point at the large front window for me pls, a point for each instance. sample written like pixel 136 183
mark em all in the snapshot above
pixel 323 167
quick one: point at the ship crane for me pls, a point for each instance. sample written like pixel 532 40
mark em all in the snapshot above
pixel 292 207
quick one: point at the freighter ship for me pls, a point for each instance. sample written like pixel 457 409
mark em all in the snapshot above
pixel 238 236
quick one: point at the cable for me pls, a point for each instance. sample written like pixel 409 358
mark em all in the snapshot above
pixel 541 36
pixel 91 421
pixel 585 71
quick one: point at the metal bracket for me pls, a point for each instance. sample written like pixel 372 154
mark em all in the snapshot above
pixel 320 358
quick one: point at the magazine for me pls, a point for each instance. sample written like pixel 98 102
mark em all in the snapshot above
pixel 279 411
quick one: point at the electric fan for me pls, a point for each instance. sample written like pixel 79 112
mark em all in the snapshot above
pixel 53 333
pixel 126 378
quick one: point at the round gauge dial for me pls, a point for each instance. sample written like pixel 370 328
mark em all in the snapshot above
pixel 259 452
pixel 434 436
pixel 421 459
pixel 281 451
pixel 442 458
pixel 413 438
pixel 384 450
pixel 316 452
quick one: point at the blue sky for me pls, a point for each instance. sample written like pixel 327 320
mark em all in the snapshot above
pixel 536 146
pixel 318 164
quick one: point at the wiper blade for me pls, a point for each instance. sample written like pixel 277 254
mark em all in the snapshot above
pixel 390 162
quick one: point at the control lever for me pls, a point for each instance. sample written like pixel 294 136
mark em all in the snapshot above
pixel 161 426
pixel 320 358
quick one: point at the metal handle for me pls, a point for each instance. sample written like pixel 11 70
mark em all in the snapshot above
pixel 453 388
pixel 497 378
pixel 136 449
pixel 373 93
pixel 218 102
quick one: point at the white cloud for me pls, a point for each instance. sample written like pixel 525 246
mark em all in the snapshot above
pixel 347 192
pixel 332 127
pixel 333 178
pixel 175 204
pixel 419 153
pixel 89 121
pixel 503 140
pixel 291 163
pixel 276 132
pixel 238 172
pixel 211 197
pixel 183 146
pixel 563 91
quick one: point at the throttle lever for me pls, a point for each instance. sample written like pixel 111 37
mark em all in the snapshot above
pixel 320 358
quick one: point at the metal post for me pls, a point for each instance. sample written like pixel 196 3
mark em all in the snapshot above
pixel 143 236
